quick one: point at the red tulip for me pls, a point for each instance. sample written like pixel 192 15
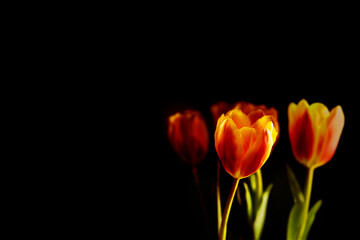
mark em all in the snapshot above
pixel 188 135
pixel 314 132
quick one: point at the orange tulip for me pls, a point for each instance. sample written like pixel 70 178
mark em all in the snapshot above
pixel 188 135
pixel 244 141
pixel 314 132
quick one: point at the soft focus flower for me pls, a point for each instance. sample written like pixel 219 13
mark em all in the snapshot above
pixel 188 135
pixel 220 108
pixel 244 141
pixel 253 111
pixel 314 132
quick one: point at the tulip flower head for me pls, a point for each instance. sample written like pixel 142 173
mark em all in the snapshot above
pixel 244 141
pixel 314 132
pixel 188 135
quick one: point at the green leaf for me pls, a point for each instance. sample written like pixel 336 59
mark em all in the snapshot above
pixel 311 217
pixel 249 204
pixel 294 222
pixel 294 186
pixel 261 213
pixel 295 219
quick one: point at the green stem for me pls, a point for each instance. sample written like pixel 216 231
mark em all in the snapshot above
pixel 223 228
pixel 307 191
pixel 257 202
pixel 218 199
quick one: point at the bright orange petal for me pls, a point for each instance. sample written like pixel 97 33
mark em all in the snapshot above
pixel 248 137
pixel 261 123
pixel 239 118
pixel 227 144
pixel 257 154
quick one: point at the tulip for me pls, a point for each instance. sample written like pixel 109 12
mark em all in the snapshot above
pixel 314 135
pixel 243 141
pixel 188 135
pixel 254 112
pixel 314 132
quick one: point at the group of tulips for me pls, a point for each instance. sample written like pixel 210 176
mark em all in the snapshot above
pixel 244 139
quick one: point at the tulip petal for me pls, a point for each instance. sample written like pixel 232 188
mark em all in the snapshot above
pixel 318 113
pixel 301 131
pixel 239 118
pixel 248 137
pixel 270 126
pixel 266 122
pixel 218 124
pixel 178 136
pixel 227 139
pixel 257 154
pixel 274 118
pixel 335 124
pixel 255 115
pixel 296 111
pixel 174 132
pixel 186 143
pixel 261 123
pixel 246 140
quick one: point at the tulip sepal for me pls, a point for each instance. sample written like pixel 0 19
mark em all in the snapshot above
pixel 300 218
pixel 256 202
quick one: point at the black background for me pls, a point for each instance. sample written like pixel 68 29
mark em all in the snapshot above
pixel 175 199
pixel 185 71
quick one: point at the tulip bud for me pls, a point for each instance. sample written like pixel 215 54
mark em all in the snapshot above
pixel 188 135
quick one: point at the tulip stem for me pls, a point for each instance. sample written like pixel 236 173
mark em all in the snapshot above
pixel 218 199
pixel 223 228
pixel 198 187
pixel 307 192
pixel 259 187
